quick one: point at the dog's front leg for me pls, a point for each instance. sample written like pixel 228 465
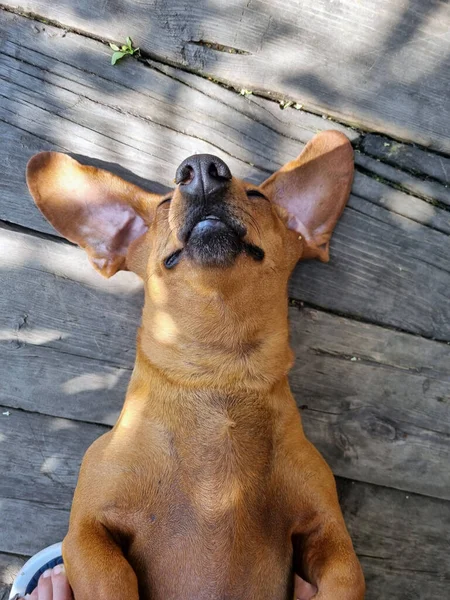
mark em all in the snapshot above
pixel 324 555
pixel 95 565
pixel 322 548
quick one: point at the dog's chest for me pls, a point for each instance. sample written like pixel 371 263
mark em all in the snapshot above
pixel 209 506
pixel 226 459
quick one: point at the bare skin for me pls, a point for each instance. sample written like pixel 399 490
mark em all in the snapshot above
pixel 52 585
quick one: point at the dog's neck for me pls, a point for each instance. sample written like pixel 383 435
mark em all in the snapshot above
pixel 229 338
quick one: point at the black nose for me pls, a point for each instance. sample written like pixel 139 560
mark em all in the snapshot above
pixel 202 175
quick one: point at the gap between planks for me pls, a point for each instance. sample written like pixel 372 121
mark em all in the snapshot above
pixel 155 62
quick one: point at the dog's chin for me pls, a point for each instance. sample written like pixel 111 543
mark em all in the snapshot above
pixel 212 243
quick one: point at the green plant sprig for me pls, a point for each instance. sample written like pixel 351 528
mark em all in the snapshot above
pixel 125 50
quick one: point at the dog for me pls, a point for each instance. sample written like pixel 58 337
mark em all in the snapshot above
pixel 206 488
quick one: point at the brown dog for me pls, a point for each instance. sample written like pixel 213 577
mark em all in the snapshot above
pixel 206 488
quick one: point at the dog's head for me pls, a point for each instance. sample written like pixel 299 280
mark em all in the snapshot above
pixel 215 253
pixel 210 222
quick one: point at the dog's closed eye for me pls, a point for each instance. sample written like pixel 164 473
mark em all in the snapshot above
pixel 164 201
pixel 256 194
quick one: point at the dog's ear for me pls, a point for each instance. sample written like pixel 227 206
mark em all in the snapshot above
pixel 99 211
pixel 314 189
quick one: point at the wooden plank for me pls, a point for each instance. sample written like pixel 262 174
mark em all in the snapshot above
pixel 39 378
pixel 40 461
pixel 408 157
pixel 376 63
pixel 394 271
pixel 405 584
pixel 64 356
pixel 299 125
pixel 431 191
pixel 375 402
pixel 402 541
pixel 399 203
pixel 10 565
pixel 52 298
pixel 29 525
pixel 62 94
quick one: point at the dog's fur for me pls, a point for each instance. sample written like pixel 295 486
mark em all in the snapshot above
pixel 206 488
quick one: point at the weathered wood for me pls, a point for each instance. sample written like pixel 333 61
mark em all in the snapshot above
pixel 43 303
pixel 385 268
pixel 375 402
pixel 402 540
pixel 382 418
pixel 397 202
pixel 375 63
pixel 4 592
pixel 431 191
pixel 42 379
pixel 40 460
pixel 10 565
pixel 28 525
pixel 408 157
pixel 395 270
pixel 407 583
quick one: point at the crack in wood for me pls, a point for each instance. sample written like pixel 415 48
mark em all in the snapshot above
pixel 363 360
pixel 300 304
pixel 217 47
pixel 123 112
pixel 398 186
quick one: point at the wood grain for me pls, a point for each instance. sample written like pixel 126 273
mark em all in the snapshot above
pixel 402 541
pixel 410 158
pixel 390 252
pixel 10 564
pixel 380 64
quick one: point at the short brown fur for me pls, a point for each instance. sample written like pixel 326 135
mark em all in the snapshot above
pixel 206 488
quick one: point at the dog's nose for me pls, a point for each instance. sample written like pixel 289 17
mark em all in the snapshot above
pixel 202 175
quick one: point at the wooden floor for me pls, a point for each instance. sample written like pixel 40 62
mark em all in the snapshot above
pixel 371 329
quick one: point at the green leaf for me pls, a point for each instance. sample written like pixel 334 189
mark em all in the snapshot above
pixel 117 56
pixel 130 43
pixel 114 47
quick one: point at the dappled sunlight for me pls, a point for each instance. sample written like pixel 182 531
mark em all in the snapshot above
pixel 15 251
pixel 73 263
pixel 157 290
pixel 61 424
pixel 128 419
pixel 50 464
pixel 91 382
pixel 408 212
pixel 33 335
pixel 380 66
pixel 164 328
pixel 405 223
